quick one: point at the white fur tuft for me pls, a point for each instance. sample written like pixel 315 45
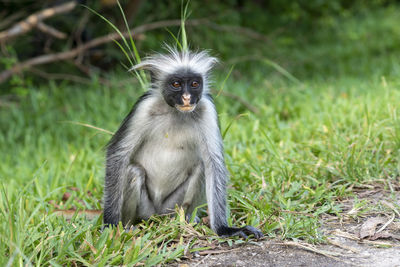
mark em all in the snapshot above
pixel 161 65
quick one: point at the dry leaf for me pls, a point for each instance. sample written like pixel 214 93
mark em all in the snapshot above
pixel 383 234
pixel 369 227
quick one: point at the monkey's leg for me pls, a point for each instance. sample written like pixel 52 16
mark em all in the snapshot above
pixel 188 194
pixel 136 202
pixel 195 193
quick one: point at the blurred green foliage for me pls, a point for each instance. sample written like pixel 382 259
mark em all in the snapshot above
pixel 282 26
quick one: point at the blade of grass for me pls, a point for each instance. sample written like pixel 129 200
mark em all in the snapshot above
pixel 136 55
pixel 10 224
pixel 281 70
pixel 224 81
pixel 111 25
pixel 132 50
pixel 231 122
pixel 142 83
pixel 175 38
pixel 124 51
pixel 184 16
pixel 89 126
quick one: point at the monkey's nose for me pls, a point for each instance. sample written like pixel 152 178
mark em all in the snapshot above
pixel 186 99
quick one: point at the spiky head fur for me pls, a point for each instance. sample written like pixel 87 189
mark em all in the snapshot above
pixel 162 65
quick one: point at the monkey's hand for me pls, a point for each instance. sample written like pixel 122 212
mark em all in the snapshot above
pixel 243 232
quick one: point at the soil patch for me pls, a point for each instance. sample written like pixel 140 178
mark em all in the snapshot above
pixel 269 253
pixel 357 238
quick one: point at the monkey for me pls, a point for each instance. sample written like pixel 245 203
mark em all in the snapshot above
pixel 168 150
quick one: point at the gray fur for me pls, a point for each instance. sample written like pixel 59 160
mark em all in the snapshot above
pixel 161 157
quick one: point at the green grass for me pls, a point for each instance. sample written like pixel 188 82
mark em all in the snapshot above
pixel 289 164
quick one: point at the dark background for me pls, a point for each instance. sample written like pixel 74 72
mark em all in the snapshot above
pixel 304 37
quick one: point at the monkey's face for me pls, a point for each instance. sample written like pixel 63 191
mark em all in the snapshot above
pixel 183 90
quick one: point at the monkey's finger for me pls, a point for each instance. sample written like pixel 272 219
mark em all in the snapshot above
pixel 253 231
pixel 258 234
pixel 242 235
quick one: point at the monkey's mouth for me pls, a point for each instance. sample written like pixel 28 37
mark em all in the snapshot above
pixel 185 108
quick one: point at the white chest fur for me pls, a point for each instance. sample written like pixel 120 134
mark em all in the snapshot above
pixel 169 155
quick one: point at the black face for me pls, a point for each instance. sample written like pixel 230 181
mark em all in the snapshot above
pixel 183 90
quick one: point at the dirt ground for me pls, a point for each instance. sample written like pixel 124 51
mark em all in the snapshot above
pixel 271 253
pixel 371 238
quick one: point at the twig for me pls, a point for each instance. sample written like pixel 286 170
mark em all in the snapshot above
pixel 45 59
pixel 343 246
pixel 202 261
pixel 51 31
pixel 386 224
pixel 90 126
pixel 10 19
pixel 33 20
pixel 340 233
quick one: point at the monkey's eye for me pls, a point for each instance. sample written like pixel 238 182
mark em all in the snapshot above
pixel 195 84
pixel 176 84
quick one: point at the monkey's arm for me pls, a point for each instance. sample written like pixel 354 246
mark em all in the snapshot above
pixel 216 178
pixel 123 144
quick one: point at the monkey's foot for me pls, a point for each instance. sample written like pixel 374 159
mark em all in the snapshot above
pixel 243 232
